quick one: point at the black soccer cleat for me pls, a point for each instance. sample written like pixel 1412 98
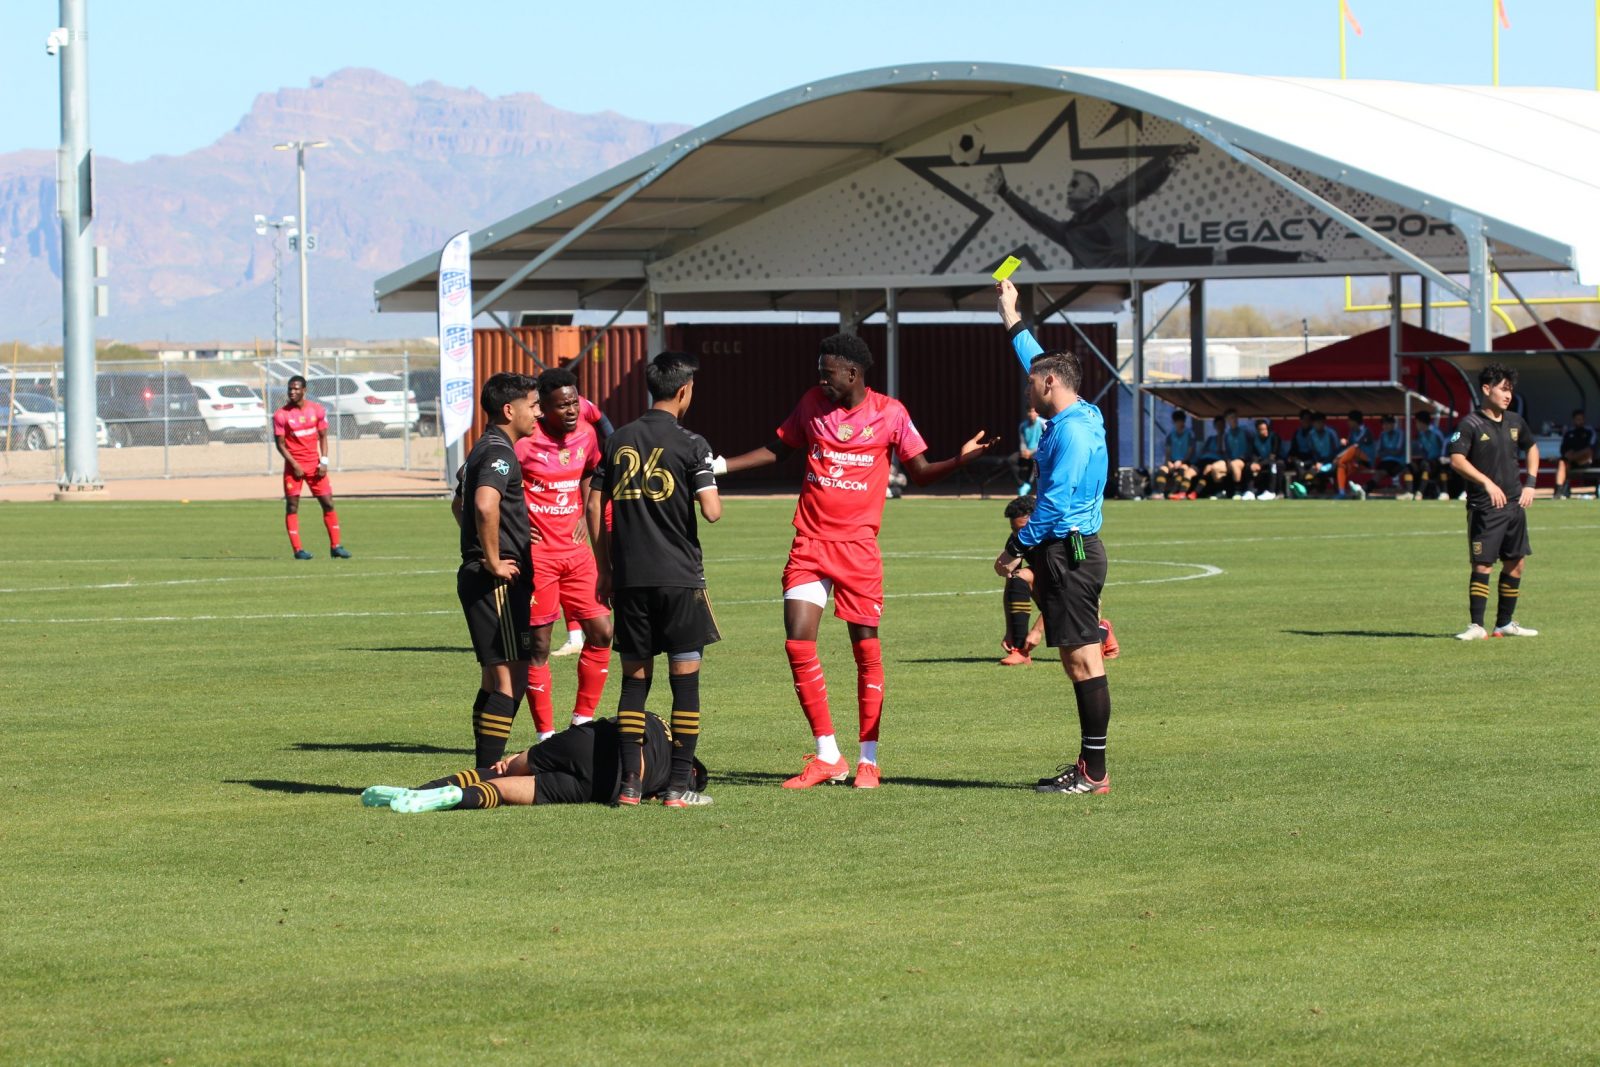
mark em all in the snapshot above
pixel 632 792
pixel 1073 778
pixel 301 553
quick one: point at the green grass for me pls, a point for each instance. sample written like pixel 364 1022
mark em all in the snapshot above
pixel 1336 834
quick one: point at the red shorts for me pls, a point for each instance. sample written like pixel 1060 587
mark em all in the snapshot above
pixel 318 486
pixel 564 582
pixel 853 570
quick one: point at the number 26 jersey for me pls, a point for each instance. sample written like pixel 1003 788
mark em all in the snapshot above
pixel 651 472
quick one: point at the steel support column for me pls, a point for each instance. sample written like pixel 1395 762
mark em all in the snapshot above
pixel 1394 327
pixel 74 175
pixel 1478 296
pixel 1141 401
pixel 655 324
pixel 891 345
pixel 1197 331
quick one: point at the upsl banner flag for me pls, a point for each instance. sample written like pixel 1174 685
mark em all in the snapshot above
pixel 455 337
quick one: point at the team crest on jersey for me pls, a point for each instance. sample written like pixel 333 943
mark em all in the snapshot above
pixel 867 432
pixel 1455 437
pixel 1513 433
pixel 846 431
pixel 565 456
pixel 501 467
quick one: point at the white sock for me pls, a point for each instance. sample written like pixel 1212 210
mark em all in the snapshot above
pixel 579 720
pixel 828 749
pixel 575 636
pixel 546 735
pixel 869 752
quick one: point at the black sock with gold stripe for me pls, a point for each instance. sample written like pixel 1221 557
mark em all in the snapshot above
pixel 1506 607
pixel 685 728
pixel 1478 596
pixel 461 778
pixel 630 725
pixel 1019 606
pixel 491 727
pixel 481 795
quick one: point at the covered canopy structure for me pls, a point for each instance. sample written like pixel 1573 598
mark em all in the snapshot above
pixel 902 187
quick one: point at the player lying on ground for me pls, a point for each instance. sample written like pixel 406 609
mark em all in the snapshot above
pixel 580 765
pixel 1021 639
pixel 848 432
pixel 300 433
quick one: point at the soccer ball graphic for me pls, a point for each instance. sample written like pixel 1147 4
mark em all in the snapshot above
pixel 966 147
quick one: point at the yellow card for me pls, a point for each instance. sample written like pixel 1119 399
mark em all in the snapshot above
pixel 1005 270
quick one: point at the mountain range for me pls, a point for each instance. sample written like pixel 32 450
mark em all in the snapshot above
pixel 406 166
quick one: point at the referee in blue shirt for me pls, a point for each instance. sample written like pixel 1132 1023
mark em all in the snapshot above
pixel 1061 541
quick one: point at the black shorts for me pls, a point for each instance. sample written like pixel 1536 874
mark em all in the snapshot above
pixel 1497 533
pixel 671 619
pixel 576 766
pixel 1068 591
pixel 1391 465
pixel 497 614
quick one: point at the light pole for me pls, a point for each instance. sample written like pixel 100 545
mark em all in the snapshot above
pixel 277 226
pixel 299 148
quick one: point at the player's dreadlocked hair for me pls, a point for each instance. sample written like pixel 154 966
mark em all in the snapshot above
pixel 1022 505
pixel 848 347
pixel 1495 373
pixel 1062 366
pixel 556 378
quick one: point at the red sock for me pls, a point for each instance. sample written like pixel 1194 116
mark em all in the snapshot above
pixel 594 663
pixel 811 686
pixel 544 711
pixel 869 685
pixel 291 522
pixel 330 519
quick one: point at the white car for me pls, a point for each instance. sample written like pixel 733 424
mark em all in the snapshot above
pixel 36 423
pixel 232 409
pixel 358 403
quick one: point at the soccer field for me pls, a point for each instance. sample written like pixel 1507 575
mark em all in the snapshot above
pixel 1335 834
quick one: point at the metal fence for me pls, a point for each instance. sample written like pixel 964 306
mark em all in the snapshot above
pixel 209 418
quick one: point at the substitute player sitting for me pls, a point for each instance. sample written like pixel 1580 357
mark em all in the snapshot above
pixel 579 765
pixel 557 460
pixel 300 432
pixel 1577 450
pixel 848 432
pixel 1174 477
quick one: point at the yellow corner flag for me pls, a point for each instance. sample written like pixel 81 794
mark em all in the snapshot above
pixel 1350 17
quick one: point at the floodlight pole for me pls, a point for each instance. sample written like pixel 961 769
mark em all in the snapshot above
pixel 305 237
pixel 75 204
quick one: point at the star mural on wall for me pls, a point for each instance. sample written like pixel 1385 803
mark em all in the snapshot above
pixel 928 168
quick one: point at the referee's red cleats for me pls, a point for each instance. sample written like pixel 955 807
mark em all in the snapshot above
pixel 816 772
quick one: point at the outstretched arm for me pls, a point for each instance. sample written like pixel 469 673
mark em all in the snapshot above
pixel 921 472
pixel 764 456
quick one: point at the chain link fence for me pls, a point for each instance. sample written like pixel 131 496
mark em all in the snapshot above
pixel 206 418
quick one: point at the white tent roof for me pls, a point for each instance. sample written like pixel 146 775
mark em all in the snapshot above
pixel 1523 159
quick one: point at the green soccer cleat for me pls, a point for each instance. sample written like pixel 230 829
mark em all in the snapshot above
pixel 379 796
pixel 339 552
pixel 414 801
pixel 301 553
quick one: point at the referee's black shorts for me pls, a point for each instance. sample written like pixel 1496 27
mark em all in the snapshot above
pixel 670 619
pixel 1068 590
pixel 1498 533
pixel 497 614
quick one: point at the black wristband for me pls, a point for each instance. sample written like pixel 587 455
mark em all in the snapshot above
pixel 1014 547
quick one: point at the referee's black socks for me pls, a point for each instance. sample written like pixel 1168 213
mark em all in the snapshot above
pixel 492 715
pixel 685 728
pixel 1094 717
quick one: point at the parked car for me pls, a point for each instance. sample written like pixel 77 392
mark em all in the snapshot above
pixel 36 423
pixel 358 403
pixel 147 408
pixel 232 408
pixel 424 386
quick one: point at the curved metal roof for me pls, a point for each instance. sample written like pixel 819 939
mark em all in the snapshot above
pixel 1522 159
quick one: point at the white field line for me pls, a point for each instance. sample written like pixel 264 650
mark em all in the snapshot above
pixel 136 584
pixel 1200 570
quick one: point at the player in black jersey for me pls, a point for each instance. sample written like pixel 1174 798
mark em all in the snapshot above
pixel 495 581
pixel 653 473
pixel 1483 451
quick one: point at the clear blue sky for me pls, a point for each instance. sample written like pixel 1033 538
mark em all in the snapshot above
pixel 169 76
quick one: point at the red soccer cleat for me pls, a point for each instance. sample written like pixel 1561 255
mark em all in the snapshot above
pixel 866 776
pixel 816 772
pixel 1109 649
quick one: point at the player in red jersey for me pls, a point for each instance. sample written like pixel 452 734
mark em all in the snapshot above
pixel 592 415
pixel 300 430
pixel 847 431
pixel 557 460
